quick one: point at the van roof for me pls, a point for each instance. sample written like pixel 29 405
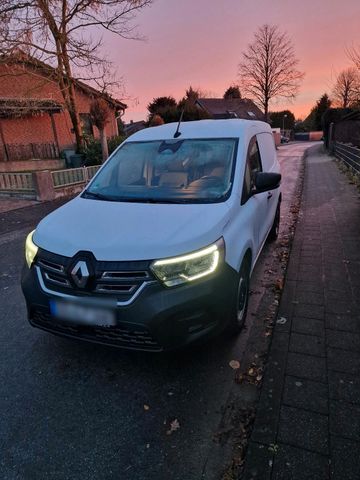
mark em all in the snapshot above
pixel 230 128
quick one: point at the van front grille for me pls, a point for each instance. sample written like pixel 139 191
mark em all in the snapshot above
pixel 118 279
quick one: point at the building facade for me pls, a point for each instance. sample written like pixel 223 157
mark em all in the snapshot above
pixel 33 120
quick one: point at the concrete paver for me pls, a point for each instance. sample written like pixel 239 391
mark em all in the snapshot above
pixel 308 420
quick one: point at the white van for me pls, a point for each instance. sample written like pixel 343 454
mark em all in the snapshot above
pixel 158 250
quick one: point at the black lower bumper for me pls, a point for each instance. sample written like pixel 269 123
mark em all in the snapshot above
pixel 159 318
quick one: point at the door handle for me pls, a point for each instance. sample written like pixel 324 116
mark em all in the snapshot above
pixel 269 195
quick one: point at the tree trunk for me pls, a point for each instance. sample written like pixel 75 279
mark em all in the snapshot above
pixel 75 120
pixel 65 78
pixel 266 110
pixel 72 107
pixel 104 145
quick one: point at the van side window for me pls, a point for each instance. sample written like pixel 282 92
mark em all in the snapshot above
pixel 267 150
pixel 253 165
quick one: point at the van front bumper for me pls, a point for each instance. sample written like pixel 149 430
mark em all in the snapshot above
pixel 158 319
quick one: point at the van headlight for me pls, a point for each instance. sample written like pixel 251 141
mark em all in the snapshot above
pixel 187 268
pixel 30 249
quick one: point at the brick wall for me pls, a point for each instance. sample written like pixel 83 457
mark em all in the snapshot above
pixel 16 82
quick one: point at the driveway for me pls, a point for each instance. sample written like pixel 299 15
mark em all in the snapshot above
pixel 72 410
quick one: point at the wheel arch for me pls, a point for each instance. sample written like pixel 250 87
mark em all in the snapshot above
pixel 247 255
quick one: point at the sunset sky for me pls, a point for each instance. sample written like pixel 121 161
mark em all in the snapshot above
pixel 199 43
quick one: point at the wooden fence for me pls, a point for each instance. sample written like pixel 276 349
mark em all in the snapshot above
pixel 17 152
pixel 46 185
pixel 349 155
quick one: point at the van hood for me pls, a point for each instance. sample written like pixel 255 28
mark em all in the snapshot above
pixel 116 231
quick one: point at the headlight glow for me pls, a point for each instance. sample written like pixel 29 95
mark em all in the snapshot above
pixel 30 249
pixel 187 268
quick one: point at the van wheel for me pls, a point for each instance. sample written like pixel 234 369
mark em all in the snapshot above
pixel 242 298
pixel 274 232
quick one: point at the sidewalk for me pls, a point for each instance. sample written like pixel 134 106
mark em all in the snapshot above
pixel 308 419
pixel 10 203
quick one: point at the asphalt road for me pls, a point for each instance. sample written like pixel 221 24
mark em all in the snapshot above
pixel 71 410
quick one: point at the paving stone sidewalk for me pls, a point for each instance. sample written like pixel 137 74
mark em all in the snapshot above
pixel 308 420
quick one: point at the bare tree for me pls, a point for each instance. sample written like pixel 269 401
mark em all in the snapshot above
pixel 269 67
pixel 58 33
pixel 346 90
pixel 353 53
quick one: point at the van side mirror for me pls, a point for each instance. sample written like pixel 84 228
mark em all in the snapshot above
pixel 265 181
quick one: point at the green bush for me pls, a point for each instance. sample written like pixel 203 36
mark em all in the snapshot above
pixel 114 142
pixel 92 149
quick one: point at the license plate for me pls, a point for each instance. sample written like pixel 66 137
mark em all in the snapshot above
pixel 81 314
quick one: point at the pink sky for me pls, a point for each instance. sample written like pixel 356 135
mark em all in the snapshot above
pixel 199 43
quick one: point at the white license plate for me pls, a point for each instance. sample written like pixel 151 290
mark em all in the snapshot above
pixel 81 314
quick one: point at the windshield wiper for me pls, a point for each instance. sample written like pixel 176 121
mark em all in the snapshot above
pixel 165 200
pixel 98 196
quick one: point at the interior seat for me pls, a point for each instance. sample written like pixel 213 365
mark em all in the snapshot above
pixel 175 176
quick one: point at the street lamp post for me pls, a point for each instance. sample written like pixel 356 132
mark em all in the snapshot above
pixel 285 116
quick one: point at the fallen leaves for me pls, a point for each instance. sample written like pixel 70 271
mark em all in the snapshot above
pixel 234 364
pixel 253 375
pixel 279 284
pixel 273 448
pixel 174 426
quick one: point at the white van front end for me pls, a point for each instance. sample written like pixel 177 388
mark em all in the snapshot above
pixel 157 251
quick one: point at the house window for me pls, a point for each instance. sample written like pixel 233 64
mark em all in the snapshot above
pixel 86 124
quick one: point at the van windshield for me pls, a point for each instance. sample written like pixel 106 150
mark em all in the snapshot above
pixel 167 171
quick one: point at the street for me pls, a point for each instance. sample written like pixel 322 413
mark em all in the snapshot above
pixel 71 410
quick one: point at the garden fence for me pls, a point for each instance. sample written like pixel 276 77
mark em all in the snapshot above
pixel 349 155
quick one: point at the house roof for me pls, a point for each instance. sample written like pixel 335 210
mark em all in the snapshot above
pixel 132 127
pixel 231 108
pixel 22 58
pixel 20 107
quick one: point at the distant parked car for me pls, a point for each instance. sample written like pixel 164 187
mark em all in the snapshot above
pixel 284 139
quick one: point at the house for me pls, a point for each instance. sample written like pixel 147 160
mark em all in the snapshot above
pixel 133 127
pixel 220 108
pixel 34 122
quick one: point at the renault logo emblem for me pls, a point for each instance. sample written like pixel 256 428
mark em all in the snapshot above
pixel 80 274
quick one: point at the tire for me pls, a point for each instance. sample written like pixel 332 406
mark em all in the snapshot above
pixel 274 232
pixel 241 301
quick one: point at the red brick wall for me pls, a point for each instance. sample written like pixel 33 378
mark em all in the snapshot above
pixel 28 130
pixel 16 82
